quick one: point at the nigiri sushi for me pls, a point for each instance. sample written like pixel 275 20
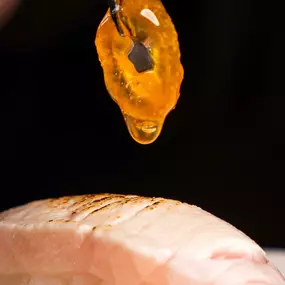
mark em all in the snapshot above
pixel 111 239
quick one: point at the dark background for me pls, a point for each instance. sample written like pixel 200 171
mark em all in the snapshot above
pixel 221 148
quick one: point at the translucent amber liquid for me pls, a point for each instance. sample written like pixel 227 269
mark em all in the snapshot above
pixel 146 98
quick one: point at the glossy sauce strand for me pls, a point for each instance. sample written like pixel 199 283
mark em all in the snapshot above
pixel 145 98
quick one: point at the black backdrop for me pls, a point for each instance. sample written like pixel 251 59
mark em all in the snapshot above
pixel 221 148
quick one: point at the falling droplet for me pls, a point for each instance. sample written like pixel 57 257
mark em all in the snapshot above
pixel 143 131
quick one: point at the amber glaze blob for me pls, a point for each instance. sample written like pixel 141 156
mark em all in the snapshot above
pixel 146 98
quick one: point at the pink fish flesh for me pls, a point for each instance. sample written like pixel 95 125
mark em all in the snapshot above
pixel 109 239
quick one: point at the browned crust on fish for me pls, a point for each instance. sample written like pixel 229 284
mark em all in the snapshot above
pixel 98 202
pixel 75 209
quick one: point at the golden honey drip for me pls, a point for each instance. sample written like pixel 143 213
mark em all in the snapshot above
pixel 145 98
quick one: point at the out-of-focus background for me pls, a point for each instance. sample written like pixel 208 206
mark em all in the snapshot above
pixel 221 148
pixel 277 257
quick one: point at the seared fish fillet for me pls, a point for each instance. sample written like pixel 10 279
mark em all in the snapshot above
pixel 113 239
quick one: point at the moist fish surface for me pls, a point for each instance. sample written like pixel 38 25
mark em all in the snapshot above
pixel 126 240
